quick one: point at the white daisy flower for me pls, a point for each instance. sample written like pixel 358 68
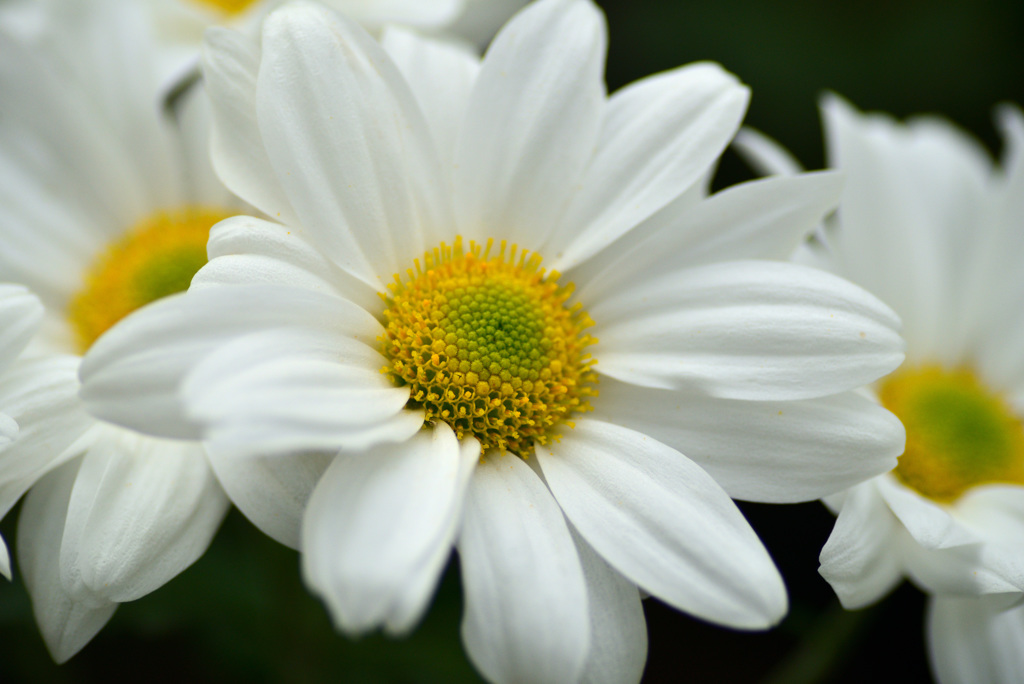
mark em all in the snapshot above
pixel 388 371
pixel 106 204
pixel 931 227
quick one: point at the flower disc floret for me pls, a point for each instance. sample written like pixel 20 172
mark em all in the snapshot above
pixel 959 433
pixel 489 345
pixel 157 258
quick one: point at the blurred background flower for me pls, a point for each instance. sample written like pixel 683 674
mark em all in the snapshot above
pixel 241 612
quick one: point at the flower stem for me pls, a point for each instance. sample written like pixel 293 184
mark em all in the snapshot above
pixel 828 642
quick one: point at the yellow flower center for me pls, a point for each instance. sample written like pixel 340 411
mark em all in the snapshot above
pixel 158 257
pixel 230 7
pixel 488 345
pixel 959 433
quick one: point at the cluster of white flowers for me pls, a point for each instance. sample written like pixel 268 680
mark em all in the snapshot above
pixel 390 299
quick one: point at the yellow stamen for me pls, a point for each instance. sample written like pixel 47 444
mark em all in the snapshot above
pixel 155 259
pixel 488 345
pixel 959 433
pixel 230 7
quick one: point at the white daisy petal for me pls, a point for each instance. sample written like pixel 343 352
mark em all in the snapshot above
pixel 8 430
pixel 746 330
pixel 663 522
pixel 1011 122
pixel 618 630
pixel 526 617
pixel 382 521
pixel 244 250
pixel 141 511
pixel 998 284
pixel 270 491
pixel 776 452
pixel 349 144
pixel 540 90
pixel 441 76
pixel 132 374
pixel 997 508
pixel 67 625
pixel 660 135
pixel 412 12
pixel 40 229
pixel 281 391
pixel 764 154
pixel 20 316
pixel 861 559
pixel 195 117
pixel 930 524
pixel 974 640
pixel 41 396
pixel 481 18
pixel 109 47
pixel 230 66
pixel 995 513
pixel 5 559
pixel 73 147
pixel 910 202
pixel 967 569
pixel 764 219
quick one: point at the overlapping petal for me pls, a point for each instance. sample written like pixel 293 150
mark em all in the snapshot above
pixel 763 219
pixel 664 523
pixel 862 559
pixel 746 330
pixel 975 640
pixel 349 144
pixel 441 76
pixel 659 136
pixel 271 491
pixel 282 391
pixel 66 624
pixel 20 316
pixel 526 617
pixel 381 525
pixel 778 452
pixel 912 196
pixel 141 510
pixel 41 396
pixel 231 62
pixel 72 145
pixel 415 12
pixel 618 630
pixel 929 523
pixel 132 374
pixel 540 89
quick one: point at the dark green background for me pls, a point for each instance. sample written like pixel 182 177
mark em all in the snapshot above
pixel 241 614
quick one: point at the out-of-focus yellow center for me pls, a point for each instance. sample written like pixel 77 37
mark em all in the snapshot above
pixel 231 7
pixel 959 433
pixel 158 257
pixel 488 344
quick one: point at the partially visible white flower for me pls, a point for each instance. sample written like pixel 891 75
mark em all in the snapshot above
pixel 395 318
pixel 106 203
pixel 929 225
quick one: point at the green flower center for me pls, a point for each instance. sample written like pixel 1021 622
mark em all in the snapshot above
pixel 959 433
pixel 489 346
